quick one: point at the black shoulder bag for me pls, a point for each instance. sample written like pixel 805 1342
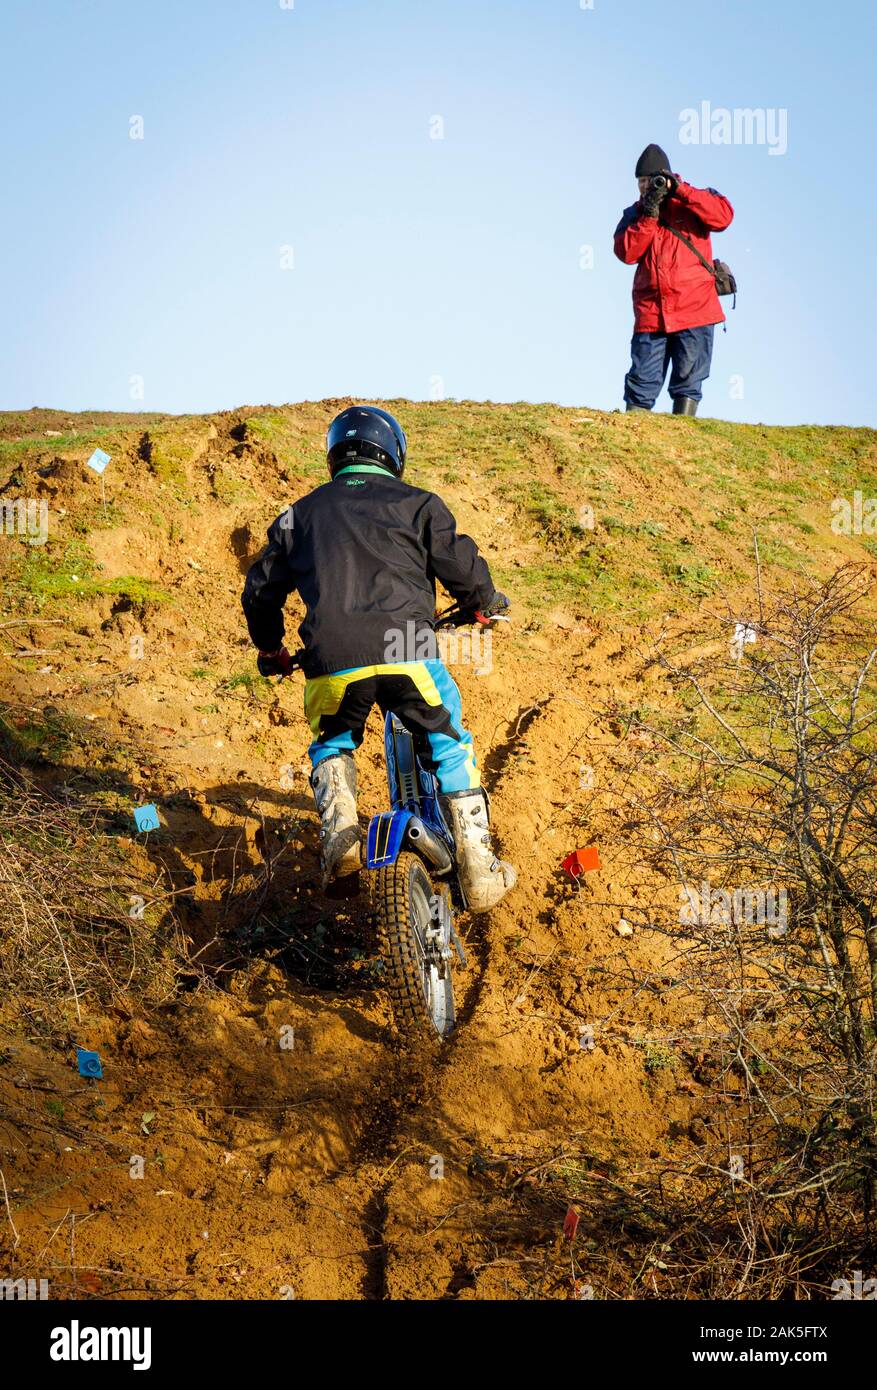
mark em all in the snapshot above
pixel 721 273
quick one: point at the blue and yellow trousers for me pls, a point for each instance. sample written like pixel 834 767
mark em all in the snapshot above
pixel 421 694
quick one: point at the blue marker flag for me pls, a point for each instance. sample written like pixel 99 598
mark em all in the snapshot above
pixel 99 460
pixel 89 1063
pixel 146 818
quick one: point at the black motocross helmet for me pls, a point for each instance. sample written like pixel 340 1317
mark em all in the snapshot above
pixel 365 432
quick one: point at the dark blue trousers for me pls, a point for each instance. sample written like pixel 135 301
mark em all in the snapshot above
pixel 690 351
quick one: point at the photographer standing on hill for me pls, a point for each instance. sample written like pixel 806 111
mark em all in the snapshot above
pixel 675 302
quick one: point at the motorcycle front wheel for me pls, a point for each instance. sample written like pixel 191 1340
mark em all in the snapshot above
pixel 413 929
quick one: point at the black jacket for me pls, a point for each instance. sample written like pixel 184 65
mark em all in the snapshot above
pixel 364 552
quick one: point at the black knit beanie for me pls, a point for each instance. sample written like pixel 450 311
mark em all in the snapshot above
pixel 653 160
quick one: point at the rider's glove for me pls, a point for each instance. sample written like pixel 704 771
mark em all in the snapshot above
pixel 498 607
pixel 277 663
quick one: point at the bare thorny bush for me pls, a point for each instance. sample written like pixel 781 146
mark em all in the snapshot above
pixel 74 925
pixel 754 801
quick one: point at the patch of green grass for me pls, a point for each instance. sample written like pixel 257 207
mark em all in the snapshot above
pixel 167 450
pixel 53 572
pixel 265 427
pixel 133 587
pixel 163 464
pixel 776 552
pixel 556 520
pixel 789 487
pixel 696 577
pixel 12 451
pixel 590 579
pixel 657 1056
pixel 253 684
pixel 231 490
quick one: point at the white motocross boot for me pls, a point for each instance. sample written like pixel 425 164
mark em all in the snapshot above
pixel 333 782
pixel 483 878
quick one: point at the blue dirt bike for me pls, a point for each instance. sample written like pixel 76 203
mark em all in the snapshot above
pixel 411 851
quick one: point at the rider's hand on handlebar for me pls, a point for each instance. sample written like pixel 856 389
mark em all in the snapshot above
pixel 277 663
pixel 498 607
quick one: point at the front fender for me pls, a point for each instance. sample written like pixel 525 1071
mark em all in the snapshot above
pixel 385 835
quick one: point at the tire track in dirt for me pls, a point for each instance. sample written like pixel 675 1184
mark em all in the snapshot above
pixel 515 1078
pixel 419 1068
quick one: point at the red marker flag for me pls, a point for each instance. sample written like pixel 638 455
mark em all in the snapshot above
pixel 581 860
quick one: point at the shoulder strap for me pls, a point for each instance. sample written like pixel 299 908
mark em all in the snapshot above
pixel 703 260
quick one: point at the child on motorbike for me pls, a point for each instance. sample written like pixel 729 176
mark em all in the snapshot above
pixel 364 552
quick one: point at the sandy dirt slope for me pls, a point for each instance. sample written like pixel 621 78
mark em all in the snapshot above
pixel 344 1167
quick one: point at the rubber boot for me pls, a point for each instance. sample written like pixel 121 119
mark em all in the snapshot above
pixel 641 408
pixel 333 782
pixel 684 405
pixel 483 878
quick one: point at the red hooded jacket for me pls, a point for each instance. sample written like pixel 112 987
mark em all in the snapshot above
pixel 671 289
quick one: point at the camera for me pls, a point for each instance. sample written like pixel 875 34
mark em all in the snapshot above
pixel 659 182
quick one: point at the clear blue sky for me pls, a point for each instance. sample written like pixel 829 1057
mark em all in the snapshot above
pixel 417 258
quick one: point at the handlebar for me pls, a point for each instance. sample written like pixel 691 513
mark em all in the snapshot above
pixel 455 616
